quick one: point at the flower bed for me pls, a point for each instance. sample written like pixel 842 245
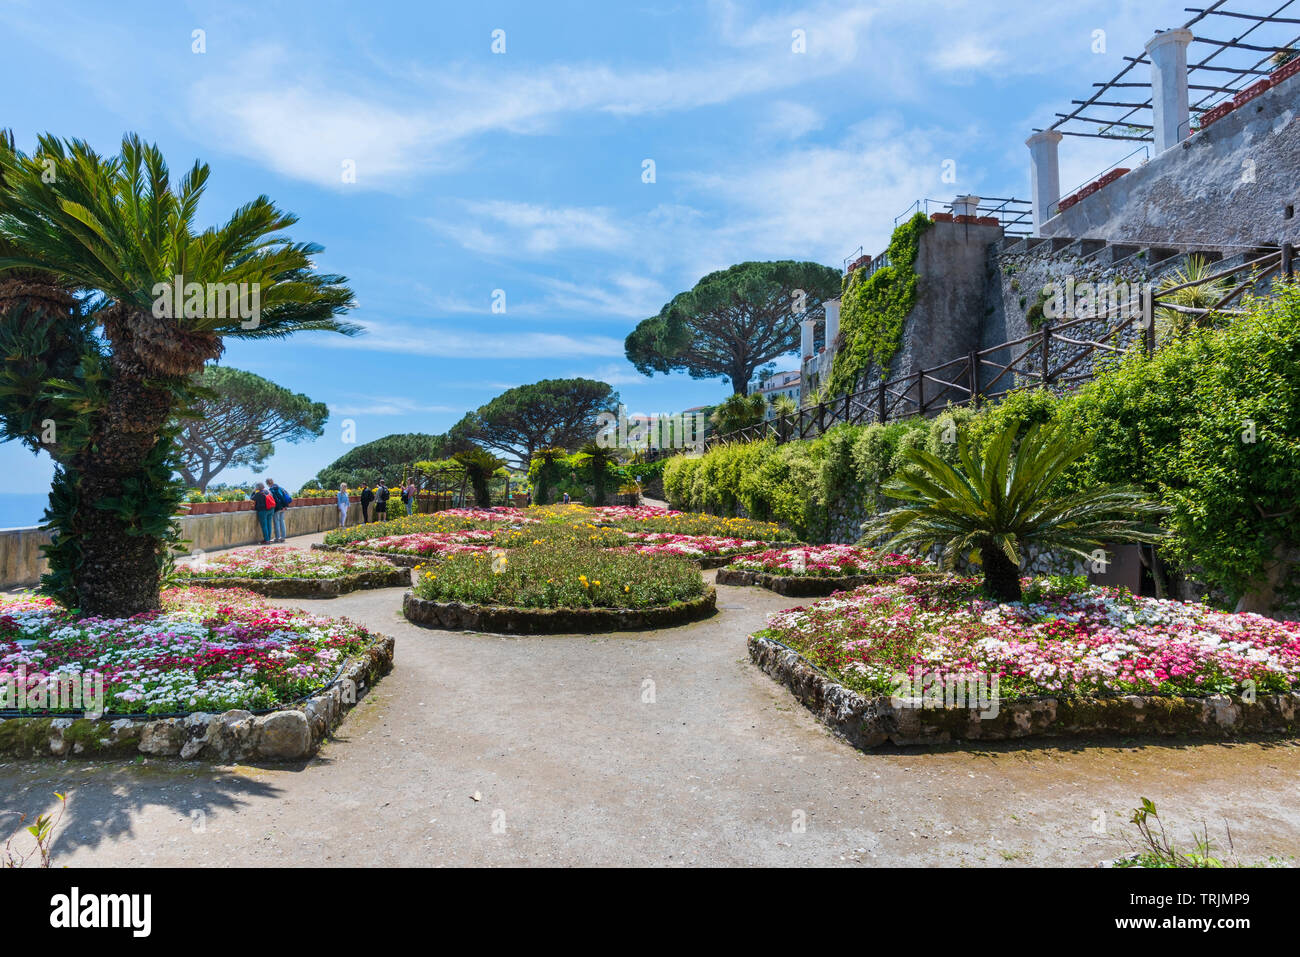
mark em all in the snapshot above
pixel 820 569
pixel 201 666
pixel 1067 659
pixel 692 523
pixel 285 572
pixel 707 551
pixel 448 520
pixel 553 578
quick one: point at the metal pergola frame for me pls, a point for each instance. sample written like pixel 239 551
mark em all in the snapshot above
pixel 1221 78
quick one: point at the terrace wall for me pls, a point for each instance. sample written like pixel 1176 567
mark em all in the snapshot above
pixel 22 562
pixel 1231 182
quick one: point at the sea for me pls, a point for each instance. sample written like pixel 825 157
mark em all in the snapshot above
pixel 22 509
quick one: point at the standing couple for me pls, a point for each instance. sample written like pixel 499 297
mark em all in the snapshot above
pixel 270 501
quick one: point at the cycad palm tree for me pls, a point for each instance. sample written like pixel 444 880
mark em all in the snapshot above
pixel 479 466
pixel 116 231
pixel 1001 502
pixel 599 459
pixel 738 412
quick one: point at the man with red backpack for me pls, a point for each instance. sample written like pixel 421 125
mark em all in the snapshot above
pixel 264 503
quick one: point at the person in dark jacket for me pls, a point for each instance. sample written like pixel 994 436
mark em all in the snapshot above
pixel 282 502
pixel 367 496
pixel 264 504
pixel 381 502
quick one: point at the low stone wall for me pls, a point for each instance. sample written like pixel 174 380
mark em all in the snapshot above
pixel 556 621
pixel 291 734
pixel 804 586
pixel 22 562
pixel 311 587
pixel 868 722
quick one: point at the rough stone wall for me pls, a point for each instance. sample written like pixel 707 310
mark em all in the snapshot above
pixel 1229 183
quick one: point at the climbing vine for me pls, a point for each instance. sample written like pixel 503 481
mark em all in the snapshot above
pixel 874 309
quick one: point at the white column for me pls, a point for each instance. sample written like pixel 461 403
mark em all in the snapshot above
pixel 1044 174
pixel 966 206
pixel 832 307
pixel 806 338
pixel 1168 52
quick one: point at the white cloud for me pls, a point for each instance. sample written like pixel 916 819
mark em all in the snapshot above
pixel 532 228
pixel 386 405
pixel 967 53
pixel 456 342
pixel 791 120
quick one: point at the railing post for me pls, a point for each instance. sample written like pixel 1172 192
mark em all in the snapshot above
pixel 821 417
pixel 880 402
pixel 974 378
pixel 1288 261
pixel 920 392
pixel 847 408
pixel 1047 352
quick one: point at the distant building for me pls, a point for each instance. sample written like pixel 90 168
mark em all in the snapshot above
pixel 780 383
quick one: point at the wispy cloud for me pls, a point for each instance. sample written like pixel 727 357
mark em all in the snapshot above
pixel 455 342
pixel 385 405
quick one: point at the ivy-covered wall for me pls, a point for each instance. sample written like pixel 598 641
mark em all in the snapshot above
pixel 874 309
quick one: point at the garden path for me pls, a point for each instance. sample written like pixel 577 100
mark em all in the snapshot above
pixel 554 738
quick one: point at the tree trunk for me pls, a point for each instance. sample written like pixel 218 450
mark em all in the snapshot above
pixel 1001 576
pixel 128 463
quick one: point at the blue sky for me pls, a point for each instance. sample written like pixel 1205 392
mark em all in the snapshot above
pixel 522 171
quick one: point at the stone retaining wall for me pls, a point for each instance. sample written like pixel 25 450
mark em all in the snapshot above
pixel 868 722
pixel 291 734
pixel 22 562
pixel 569 621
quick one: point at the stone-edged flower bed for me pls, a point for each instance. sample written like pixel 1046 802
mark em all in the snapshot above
pixel 399 558
pixel 496 619
pixel 392 577
pixel 820 570
pixel 289 573
pixel 174 682
pixel 869 721
pixel 922 661
pixel 797 586
pixel 707 551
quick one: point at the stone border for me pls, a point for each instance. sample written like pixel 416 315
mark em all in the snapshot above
pixel 290 734
pixel 310 587
pixel 558 621
pixel 808 586
pixel 870 722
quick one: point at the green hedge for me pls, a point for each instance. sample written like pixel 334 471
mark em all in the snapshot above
pixel 1175 424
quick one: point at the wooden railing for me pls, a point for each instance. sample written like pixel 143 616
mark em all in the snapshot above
pixel 1052 356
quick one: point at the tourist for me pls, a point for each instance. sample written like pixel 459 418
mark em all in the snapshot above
pixel 566 498
pixel 367 496
pixel 282 501
pixel 381 502
pixel 264 504
pixel 344 502
pixel 408 496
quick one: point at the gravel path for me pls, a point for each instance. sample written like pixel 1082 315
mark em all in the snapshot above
pixel 573 765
